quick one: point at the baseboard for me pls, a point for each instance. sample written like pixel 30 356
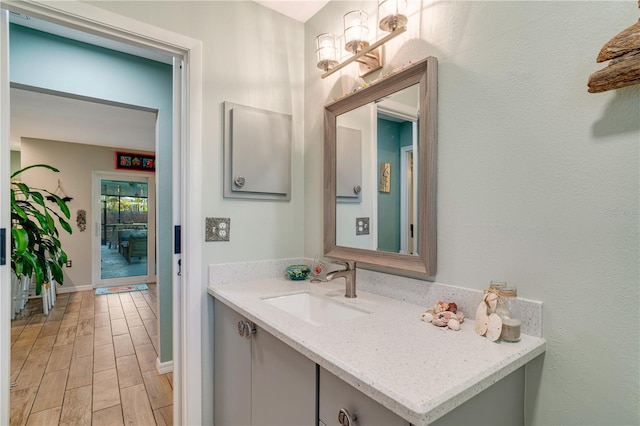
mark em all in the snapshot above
pixel 164 367
pixel 73 289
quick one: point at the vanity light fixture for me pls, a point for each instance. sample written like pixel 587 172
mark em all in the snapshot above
pixel 326 51
pixel 390 13
pixel 356 31
pixel 356 39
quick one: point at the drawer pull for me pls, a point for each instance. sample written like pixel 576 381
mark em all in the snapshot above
pixel 249 329
pixel 346 419
pixel 246 328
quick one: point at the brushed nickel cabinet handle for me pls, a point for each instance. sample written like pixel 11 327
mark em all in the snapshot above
pixel 345 418
pixel 246 328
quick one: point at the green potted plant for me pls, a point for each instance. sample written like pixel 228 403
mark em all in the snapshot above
pixel 35 247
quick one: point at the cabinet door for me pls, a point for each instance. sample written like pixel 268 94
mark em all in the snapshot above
pixel 501 404
pixel 336 394
pixel 283 390
pixel 257 153
pixel 232 369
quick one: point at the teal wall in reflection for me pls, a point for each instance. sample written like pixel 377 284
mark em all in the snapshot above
pixel 391 137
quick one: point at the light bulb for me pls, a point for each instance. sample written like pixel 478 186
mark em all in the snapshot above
pixel 326 51
pixel 390 14
pixel 356 32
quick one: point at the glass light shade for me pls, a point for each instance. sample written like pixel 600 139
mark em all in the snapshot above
pixel 390 14
pixel 326 51
pixel 356 31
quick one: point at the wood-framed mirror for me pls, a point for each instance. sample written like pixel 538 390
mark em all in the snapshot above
pixel 358 142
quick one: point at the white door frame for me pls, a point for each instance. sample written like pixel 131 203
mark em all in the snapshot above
pixel 404 198
pixel 188 288
pixel 5 222
pixel 408 197
pixel 96 237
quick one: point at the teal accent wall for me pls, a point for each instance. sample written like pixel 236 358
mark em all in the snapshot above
pixel 389 202
pixel 391 137
pixel 55 63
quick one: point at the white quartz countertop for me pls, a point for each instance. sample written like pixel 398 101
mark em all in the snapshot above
pixel 415 369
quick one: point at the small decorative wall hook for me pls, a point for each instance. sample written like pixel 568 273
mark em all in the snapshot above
pixel 60 193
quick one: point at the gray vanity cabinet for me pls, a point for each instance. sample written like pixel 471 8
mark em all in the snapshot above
pixel 336 395
pixel 232 369
pixel 259 380
pixel 500 404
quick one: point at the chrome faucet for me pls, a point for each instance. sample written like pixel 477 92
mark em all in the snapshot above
pixel 349 275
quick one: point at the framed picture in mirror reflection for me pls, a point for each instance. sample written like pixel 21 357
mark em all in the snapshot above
pixel 385 177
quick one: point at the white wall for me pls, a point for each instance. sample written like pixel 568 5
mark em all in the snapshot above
pixel 76 163
pixel 347 212
pixel 537 181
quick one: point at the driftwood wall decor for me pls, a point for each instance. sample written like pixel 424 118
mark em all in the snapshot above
pixel 624 69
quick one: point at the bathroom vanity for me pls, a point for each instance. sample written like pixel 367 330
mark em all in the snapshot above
pixel 277 362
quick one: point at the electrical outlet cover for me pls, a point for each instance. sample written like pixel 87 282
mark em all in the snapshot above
pixel 362 226
pixel 218 229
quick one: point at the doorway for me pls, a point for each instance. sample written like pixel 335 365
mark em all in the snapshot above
pixel 187 146
pixel 397 146
pixel 125 247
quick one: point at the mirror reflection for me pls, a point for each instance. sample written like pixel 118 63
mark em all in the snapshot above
pixel 367 219
pixel 377 174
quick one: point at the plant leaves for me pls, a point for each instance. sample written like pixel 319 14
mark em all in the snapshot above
pixel 56 272
pixel 19 212
pixel 46 166
pixel 17 267
pixel 20 240
pixel 50 223
pixel 61 205
pixel 36 249
pixel 42 220
pixel 35 266
pixel 24 189
pixel 37 197
pixel 65 225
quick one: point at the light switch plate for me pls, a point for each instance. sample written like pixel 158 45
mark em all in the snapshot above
pixel 218 229
pixel 362 226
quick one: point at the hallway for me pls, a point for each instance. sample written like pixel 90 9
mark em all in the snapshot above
pixel 92 360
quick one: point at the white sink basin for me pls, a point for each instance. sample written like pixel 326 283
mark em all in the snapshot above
pixel 314 308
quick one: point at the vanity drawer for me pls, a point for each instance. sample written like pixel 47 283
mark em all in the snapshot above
pixel 335 395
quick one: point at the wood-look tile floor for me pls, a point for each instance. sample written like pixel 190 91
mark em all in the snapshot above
pixel 91 361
